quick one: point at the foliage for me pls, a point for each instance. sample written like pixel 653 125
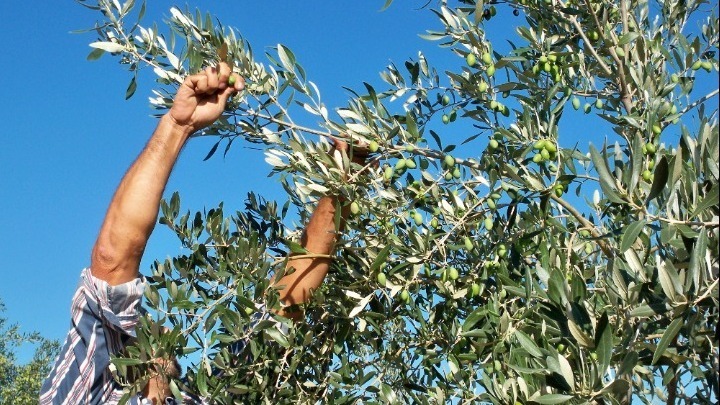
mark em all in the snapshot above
pixel 20 383
pixel 470 272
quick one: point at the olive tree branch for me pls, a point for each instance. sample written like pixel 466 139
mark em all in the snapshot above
pixel 586 223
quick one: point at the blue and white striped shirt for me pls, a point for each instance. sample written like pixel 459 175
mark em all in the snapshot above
pixel 103 321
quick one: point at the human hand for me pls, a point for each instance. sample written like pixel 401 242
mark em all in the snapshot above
pixel 357 153
pixel 201 98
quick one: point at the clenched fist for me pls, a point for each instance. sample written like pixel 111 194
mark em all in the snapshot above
pixel 201 98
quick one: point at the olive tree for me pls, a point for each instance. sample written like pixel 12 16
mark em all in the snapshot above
pixel 20 383
pixel 516 263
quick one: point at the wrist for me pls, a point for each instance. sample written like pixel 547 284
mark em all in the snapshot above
pixel 177 128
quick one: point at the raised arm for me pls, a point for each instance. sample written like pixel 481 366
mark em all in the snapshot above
pixel 319 239
pixel 133 210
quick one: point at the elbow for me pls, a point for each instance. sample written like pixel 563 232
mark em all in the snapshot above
pixel 116 264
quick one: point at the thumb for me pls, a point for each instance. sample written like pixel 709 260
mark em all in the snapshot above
pixel 225 94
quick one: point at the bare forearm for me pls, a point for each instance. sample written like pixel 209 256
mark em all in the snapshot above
pixel 133 210
pixel 318 239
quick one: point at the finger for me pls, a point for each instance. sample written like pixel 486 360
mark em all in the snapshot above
pixel 212 80
pixel 197 82
pixel 239 82
pixel 224 74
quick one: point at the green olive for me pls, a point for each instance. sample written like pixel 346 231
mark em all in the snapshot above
pixel 576 103
pixel 468 243
pixel 373 146
pixel 449 161
pixel 231 80
pixel 674 78
pixel 491 203
pixel 647 175
pixel 598 104
pixel 445 100
pixel 488 222
pixel 540 145
pixel 410 164
pixel 587 108
pixel 656 129
pixel 707 65
pixel 418 218
pixel 493 144
pixel 487 58
pixel 475 289
pixel 490 70
pixel 697 65
pixel 650 148
pixel 405 296
pixel 453 273
pixel 471 59
pixel 482 86
pixel 620 52
pixel 445 119
pixel 381 279
pixel 354 208
pixel 537 158
pixel 388 174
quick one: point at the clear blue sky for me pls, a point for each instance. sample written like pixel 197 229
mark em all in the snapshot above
pixel 68 135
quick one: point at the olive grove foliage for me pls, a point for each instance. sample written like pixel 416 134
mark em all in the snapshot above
pixel 20 383
pixel 520 264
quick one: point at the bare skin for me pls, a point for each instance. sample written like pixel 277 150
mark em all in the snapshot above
pixel 133 210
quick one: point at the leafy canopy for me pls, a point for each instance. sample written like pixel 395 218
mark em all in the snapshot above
pixel 521 264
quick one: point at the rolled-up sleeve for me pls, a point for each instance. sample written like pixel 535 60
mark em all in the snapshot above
pixel 103 320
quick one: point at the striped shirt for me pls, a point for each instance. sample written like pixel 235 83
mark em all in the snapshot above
pixel 103 321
